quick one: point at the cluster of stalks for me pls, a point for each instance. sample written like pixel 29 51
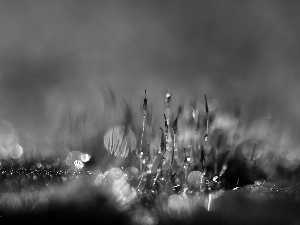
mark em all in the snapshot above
pixel 168 169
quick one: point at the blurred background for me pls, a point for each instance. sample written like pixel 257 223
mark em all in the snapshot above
pixel 96 58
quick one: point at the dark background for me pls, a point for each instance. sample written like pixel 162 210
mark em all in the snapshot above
pixel 69 55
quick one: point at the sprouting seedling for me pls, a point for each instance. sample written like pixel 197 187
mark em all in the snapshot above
pixel 202 158
pixel 144 116
pixel 166 122
pixel 174 126
pixel 145 104
pixel 207 118
pixel 167 104
pixel 168 97
pixel 140 155
pixel 167 117
pixel 143 128
pixel 162 140
pixel 166 132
